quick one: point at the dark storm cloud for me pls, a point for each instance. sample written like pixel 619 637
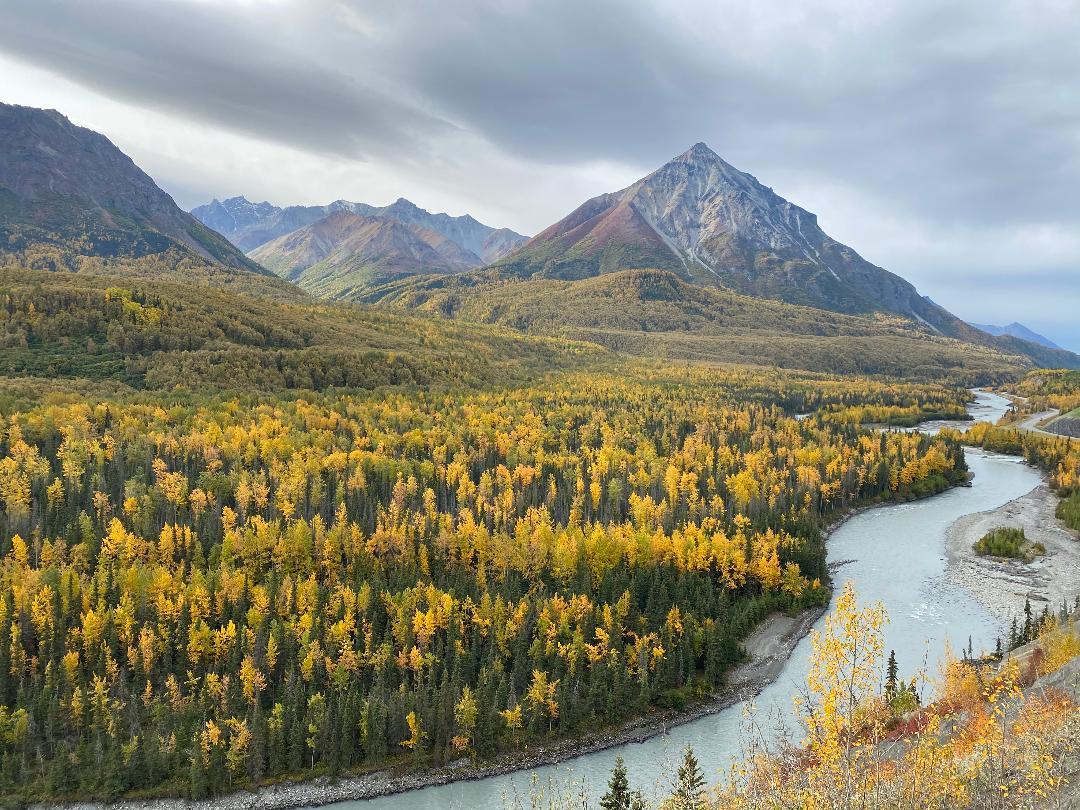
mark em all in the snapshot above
pixel 250 69
pixel 959 109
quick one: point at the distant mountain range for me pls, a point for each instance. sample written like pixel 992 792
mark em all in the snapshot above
pixel 340 253
pixel 67 192
pixel 1017 330
pixel 250 225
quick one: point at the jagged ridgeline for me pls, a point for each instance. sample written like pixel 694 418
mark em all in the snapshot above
pixel 198 595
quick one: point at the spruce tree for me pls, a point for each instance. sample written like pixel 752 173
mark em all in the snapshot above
pixel 890 675
pixel 689 788
pixel 618 792
pixel 199 786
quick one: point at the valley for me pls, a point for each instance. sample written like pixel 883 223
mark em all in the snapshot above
pixel 312 503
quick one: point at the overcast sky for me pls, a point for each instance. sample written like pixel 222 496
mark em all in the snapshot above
pixel 940 140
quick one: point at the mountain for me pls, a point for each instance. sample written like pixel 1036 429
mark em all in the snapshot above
pixel 68 194
pixel 249 225
pixel 234 214
pixel 699 221
pixel 1017 330
pixel 699 217
pixel 344 251
pixel 487 243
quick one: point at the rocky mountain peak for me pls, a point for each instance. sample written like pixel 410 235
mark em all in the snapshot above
pixel 700 217
pixel 698 153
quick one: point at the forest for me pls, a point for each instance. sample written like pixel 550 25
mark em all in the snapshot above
pixel 164 335
pixel 207 592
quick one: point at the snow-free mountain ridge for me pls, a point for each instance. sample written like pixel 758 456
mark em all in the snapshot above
pixel 344 251
pixel 703 219
pixel 1017 330
pixel 249 225
pixel 68 190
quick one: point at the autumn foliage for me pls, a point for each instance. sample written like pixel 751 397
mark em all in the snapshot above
pixel 203 594
pixel 997 735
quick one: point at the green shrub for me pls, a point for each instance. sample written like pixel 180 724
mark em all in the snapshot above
pixel 1003 541
pixel 1069 511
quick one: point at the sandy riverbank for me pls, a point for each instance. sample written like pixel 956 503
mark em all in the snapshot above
pixel 1003 585
pixel 769 646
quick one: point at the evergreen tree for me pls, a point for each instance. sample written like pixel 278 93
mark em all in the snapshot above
pixel 618 792
pixel 199 786
pixel 891 671
pixel 689 788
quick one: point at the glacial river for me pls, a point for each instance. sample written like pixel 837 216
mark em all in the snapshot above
pixel 894 554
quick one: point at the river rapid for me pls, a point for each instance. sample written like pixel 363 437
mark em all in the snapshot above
pixel 894 554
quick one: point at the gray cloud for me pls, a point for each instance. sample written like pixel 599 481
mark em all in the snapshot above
pixel 256 70
pixel 940 140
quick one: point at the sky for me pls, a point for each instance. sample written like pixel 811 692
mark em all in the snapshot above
pixel 939 140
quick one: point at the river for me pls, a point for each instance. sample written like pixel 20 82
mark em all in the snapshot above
pixel 894 554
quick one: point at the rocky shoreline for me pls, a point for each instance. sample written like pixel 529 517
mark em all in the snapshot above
pixel 769 646
pixel 1003 585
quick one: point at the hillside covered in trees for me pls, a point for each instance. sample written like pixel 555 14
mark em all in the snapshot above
pixel 654 313
pixel 160 335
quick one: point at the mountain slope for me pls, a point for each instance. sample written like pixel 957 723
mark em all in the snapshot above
pixel 249 225
pixel 339 253
pixel 704 220
pixel 68 192
pixel 65 331
pixel 655 313
pixel 1017 330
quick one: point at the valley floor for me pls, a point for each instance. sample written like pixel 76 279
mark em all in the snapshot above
pixel 1003 585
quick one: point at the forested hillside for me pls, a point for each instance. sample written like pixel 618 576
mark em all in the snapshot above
pixel 654 313
pixel 157 335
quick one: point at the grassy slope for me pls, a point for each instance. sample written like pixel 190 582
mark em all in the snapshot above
pixel 162 335
pixel 654 313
